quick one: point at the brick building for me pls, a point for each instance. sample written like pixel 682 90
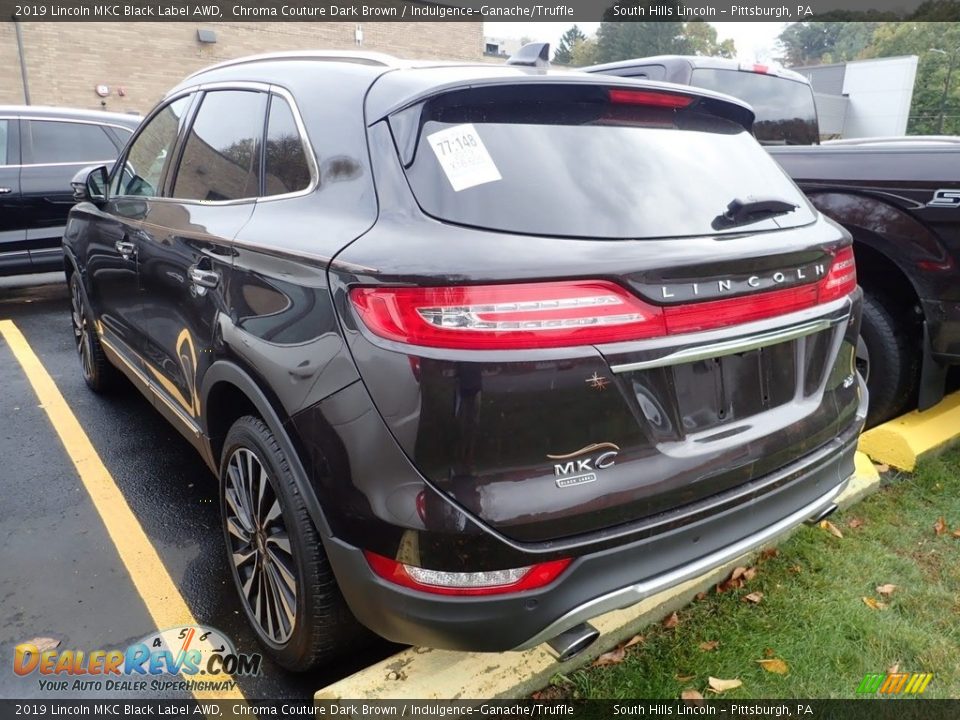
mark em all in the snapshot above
pixel 137 62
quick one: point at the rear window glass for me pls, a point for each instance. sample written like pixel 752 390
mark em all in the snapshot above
pixel 580 168
pixel 786 113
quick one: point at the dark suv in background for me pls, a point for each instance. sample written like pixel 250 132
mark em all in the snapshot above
pixel 41 149
pixel 477 353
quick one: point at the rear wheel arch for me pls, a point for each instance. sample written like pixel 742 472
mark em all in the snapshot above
pixel 228 393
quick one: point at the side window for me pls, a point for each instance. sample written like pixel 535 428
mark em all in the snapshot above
pixel 286 168
pixel 3 142
pixel 143 170
pixel 67 142
pixel 221 159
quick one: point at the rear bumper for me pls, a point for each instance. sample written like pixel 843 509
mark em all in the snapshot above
pixel 601 581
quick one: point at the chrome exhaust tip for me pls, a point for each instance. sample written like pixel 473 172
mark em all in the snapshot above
pixel 574 641
pixel 823 514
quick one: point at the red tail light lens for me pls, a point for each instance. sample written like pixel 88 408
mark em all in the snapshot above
pixel 649 98
pixel 442 582
pixel 565 314
pixel 842 278
pixel 489 317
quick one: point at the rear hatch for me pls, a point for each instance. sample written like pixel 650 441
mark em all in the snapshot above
pixel 566 327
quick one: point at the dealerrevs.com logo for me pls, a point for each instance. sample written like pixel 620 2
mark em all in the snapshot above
pixel 203 656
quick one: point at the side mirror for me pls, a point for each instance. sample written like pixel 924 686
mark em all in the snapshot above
pixel 90 184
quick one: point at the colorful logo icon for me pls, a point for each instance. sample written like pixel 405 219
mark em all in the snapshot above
pixel 895 683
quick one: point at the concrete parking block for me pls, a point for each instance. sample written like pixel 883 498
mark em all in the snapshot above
pixel 426 674
pixel 902 442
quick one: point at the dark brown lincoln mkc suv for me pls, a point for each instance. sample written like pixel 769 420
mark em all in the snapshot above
pixel 477 353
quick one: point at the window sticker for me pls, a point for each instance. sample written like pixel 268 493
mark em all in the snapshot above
pixel 463 157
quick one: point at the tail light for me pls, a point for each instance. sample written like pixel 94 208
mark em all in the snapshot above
pixel 565 314
pixel 442 582
pixel 488 317
pixel 649 98
pixel 842 278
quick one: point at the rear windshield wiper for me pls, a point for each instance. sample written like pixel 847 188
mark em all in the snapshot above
pixel 743 212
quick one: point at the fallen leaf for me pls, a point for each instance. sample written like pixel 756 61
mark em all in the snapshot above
pixel 886 589
pixel 700 596
pixel 691 694
pixel 768 553
pixel 796 569
pixel 753 597
pixel 737 572
pixel 774 665
pixel 855 522
pixel 683 678
pixel 44 643
pixel 831 528
pixel 635 640
pixel 671 621
pixel 893 669
pixel 873 604
pixel 769 652
pixel 720 686
pixel 614 657
pixel 881 467
pixel 956 533
pixel 709 645
pixel 940 526
pixel 750 574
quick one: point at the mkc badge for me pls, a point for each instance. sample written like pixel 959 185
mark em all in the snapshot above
pixel 578 470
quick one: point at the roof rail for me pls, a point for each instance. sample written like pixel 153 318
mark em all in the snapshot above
pixel 349 56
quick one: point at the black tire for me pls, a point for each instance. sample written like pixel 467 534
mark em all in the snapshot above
pixel 322 626
pixel 891 362
pixel 98 373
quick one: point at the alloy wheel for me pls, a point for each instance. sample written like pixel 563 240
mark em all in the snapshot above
pixel 260 546
pixel 81 330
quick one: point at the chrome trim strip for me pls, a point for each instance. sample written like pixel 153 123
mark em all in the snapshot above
pixel 632 594
pixel 732 347
pixel 188 423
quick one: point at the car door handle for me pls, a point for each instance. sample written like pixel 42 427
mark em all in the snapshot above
pixel 5 191
pixel 126 248
pixel 204 278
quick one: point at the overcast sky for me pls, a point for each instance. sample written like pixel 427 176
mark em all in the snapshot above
pixel 755 41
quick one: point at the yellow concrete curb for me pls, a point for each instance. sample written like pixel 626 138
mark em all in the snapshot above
pixel 903 441
pixel 426 674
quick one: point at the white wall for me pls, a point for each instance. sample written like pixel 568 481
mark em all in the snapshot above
pixel 880 92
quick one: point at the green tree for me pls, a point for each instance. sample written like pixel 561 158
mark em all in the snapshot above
pixel 568 41
pixel 626 40
pixel 700 38
pixel 584 53
pixel 936 91
pixel 813 43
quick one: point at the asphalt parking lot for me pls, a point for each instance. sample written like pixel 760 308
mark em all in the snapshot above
pixel 83 521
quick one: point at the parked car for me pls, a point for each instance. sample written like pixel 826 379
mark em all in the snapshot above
pixel 898 197
pixel 464 373
pixel 40 151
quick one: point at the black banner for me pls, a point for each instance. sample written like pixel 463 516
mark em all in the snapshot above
pixel 866 709
pixel 476 10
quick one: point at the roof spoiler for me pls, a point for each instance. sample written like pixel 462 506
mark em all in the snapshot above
pixel 531 55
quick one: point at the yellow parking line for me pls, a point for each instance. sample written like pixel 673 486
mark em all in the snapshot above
pixel 154 584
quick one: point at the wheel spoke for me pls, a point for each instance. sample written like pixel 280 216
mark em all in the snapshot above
pixel 260 546
pixel 282 600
